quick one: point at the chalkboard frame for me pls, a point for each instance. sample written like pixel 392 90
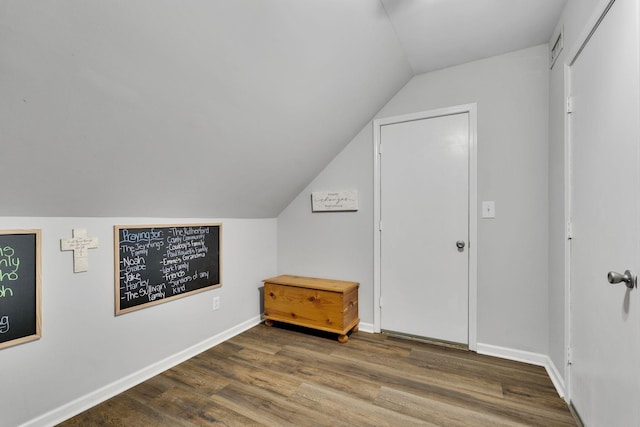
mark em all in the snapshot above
pixel 117 242
pixel 37 274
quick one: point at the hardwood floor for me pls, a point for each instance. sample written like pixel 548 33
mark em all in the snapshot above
pixel 279 376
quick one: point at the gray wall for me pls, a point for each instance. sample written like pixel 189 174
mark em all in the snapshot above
pixel 512 95
pixel 85 351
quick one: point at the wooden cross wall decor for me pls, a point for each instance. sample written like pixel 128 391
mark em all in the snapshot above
pixel 80 245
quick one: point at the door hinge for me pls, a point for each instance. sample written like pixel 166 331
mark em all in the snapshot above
pixel 569 106
pixel 380 148
pixel 380 302
pixel 569 356
pixel 569 230
pixel 380 226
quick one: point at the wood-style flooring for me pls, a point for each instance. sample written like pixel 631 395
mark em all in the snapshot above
pixel 280 376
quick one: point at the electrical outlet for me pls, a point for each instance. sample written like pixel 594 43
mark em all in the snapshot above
pixel 216 303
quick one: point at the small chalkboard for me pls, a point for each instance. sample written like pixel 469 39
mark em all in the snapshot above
pixel 159 263
pixel 20 319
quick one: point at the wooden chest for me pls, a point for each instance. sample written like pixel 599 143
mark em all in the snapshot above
pixel 324 304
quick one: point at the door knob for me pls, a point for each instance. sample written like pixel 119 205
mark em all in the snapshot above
pixel 460 244
pixel 629 278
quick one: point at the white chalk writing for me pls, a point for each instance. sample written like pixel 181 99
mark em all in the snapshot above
pixel 4 324
pixel 180 250
pixel 9 264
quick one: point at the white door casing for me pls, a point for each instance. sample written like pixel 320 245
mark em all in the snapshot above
pixel 604 141
pixel 419 242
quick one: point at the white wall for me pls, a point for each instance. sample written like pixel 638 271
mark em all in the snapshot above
pixel 334 244
pixel 574 18
pixel 84 347
pixel 511 92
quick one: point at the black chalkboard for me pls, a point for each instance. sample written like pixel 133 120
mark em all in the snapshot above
pixel 19 287
pixel 159 263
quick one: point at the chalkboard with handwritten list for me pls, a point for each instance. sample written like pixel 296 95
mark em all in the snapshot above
pixel 20 319
pixel 159 263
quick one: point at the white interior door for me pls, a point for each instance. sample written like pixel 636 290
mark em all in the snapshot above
pixel 605 138
pixel 424 212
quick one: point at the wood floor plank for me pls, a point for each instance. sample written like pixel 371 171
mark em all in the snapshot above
pixel 434 375
pixel 436 412
pixel 284 376
pixel 259 343
pixel 349 411
pixel 464 396
pixel 223 349
pixel 196 409
pixel 376 349
pixel 125 411
pixel 533 395
pixel 394 373
pixel 320 341
pixel 239 372
pixel 272 409
pixel 312 372
pixel 190 376
pixel 476 364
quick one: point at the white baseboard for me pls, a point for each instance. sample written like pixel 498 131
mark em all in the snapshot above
pixel 526 357
pixel 83 403
pixel 366 327
pixel 556 379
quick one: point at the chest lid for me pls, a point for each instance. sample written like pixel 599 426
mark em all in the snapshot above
pixel 313 283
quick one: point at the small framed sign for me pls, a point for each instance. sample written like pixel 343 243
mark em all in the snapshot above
pixel 334 201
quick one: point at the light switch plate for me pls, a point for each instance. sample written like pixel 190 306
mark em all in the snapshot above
pixel 489 209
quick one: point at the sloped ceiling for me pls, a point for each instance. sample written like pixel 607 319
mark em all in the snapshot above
pixel 194 108
pixel 436 34
pixel 191 108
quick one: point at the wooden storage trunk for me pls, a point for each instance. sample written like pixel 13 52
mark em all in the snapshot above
pixel 324 304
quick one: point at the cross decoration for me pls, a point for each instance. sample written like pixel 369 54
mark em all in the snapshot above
pixel 80 245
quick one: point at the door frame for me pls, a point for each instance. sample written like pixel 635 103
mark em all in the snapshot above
pixel 470 109
pixel 600 10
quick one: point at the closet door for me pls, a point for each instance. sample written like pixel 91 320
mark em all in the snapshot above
pixel 605 211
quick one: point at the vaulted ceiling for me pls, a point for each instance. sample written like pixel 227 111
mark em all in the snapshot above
pixel 436 34
pixel 226 108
